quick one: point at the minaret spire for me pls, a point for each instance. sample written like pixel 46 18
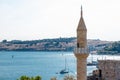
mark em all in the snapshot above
pixel 81 11
pixel 81 24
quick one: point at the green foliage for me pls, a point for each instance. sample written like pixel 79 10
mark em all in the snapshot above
pixel 30 78
pixel 4 41
pixel 69 77
pixel 66 77
pixel 37 78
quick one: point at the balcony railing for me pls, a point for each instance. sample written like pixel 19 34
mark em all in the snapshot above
pixel 81 50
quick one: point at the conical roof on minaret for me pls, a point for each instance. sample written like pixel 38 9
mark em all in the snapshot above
pixel 81 24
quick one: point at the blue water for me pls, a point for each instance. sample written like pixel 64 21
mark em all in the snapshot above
pixel 45 64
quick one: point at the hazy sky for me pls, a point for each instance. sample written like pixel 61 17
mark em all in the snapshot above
pixel 39 19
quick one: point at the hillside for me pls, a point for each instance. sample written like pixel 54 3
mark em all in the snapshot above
pixel 56 44
pixel 113 48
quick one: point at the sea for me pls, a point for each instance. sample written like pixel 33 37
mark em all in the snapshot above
pixel 14 64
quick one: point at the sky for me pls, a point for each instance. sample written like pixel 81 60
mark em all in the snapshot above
pixel 43 19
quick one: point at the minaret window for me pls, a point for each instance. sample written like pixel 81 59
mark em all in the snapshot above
pixel 78 45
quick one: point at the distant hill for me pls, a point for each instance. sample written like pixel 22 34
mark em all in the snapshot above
pixel 56 44
pixel 113 48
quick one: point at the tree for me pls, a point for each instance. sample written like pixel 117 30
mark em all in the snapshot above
pixel 37 78
pixel 30 78
pixel 66 77
pixel 4 41
pixel 69 77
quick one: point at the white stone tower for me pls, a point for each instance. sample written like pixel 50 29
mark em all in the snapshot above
pixel 81 52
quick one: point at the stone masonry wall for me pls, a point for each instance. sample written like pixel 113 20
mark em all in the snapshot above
pixel 110 69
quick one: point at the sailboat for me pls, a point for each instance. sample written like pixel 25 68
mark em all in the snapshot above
pixel 65 70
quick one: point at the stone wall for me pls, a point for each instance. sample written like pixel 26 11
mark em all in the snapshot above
pixel 110 69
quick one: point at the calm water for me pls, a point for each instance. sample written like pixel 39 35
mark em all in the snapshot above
pixel 45 64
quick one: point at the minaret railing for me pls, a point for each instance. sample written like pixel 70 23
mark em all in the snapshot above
pixel 81 51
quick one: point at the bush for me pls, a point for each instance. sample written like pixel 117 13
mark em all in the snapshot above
pixel 66 77
pixel 30 78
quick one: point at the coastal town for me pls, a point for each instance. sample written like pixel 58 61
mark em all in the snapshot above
pixel 57 44
pixel 61 58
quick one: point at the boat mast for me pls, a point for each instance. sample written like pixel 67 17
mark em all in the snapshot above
pixel 65 63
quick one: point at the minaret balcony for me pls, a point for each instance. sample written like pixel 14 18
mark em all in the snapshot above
pixel 81 51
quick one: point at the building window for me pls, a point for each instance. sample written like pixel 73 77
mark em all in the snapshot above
pixel 100 73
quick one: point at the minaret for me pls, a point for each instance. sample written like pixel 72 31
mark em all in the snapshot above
pixel 81 52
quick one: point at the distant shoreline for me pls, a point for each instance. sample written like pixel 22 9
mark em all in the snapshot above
pixel 36 51
pixel 52 45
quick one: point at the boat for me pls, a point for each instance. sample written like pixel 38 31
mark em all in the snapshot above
pixel 93 63
pixel 65 70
